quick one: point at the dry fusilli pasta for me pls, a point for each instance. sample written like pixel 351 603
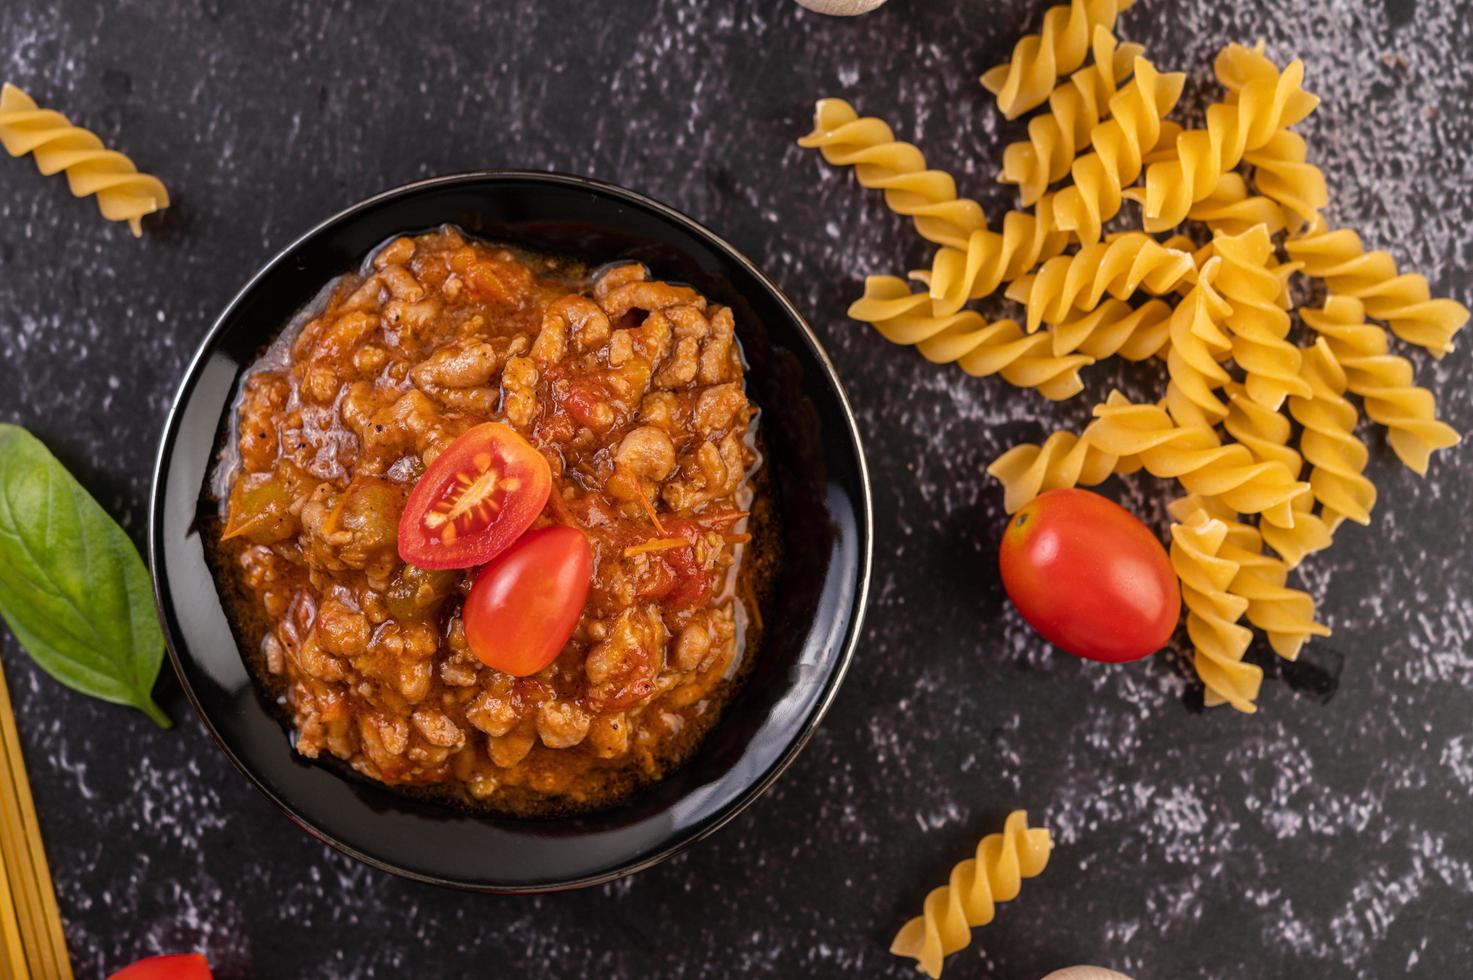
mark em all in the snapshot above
pixel 1308 534
pixel 1384 381
pixel 1282 174
pixel 969 898
pixel 1218 641
pixel 1265 105
pixel 1402 300
pixel 1064 460
pixel 1236 65
pixel 1286 615
pixel 1183 242
pixel 1220 319
pixel 1120 146
pixel 1115 327
pixel 123 194
pixel 990 259
pixel 1165 148
pixel 899 169
pixel 1232 210
pixel 1024 81
pixel 1265 433
pixel 977 347
pixel 1337 458
pixel 1080 281
pixel 1194 455
pixel 1076 107
pixel 1259 321
pixel 1197 345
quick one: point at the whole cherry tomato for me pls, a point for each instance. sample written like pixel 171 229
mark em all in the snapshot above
pixel 1090 577
pixel 525 604
pixel 481 493
pixel 179 966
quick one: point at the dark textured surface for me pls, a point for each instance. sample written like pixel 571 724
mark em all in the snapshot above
pixel 1319 838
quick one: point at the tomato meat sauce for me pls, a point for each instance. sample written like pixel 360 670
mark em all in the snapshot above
pixel 396 493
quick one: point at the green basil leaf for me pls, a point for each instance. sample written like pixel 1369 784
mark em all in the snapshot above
pixel 72 587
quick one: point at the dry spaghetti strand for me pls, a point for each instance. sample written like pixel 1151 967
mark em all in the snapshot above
pixel 27 879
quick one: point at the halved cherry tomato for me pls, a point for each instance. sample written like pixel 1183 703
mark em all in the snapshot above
pixel 179 966
pixel 525 604
pixel 484 490
pixel 1089 577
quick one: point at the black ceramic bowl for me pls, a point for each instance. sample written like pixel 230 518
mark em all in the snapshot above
pixel 810 628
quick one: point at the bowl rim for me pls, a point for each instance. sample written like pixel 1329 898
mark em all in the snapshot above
pixel 680 840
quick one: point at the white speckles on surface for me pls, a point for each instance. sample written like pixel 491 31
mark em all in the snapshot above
pixel 1319 838
pixel 1457 757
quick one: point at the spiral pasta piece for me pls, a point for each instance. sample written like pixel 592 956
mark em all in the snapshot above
pixel 1116 327
pixel 1281 173
pixel 1265 432
pixel 1193 455
pixel 1197 345
pixel 1283 176
pixel 990 259
pixel 1309 533
pixel 1024 81
pixel 1076 107
pixel 1337 458
pixel 1259 321
pixel 1286 615
pixel 1293 543
pixel 1384 381
pixel 1218 641
pixel 1265 105
pixel 1120 147
pixel 1183 242
pixel 1232 209
pixel 969 898
pixel 1064 460
pixel 1236 65
pixel 123 194
pixel 1165 148
pixel 1119 267
pixel 880 162
pixel 979 348
pixel 1402 300
pixel 1239 68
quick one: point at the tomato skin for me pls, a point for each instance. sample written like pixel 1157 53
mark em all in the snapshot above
pixel 178 966
pixel 460 513
pixel 1090 577
pixel 692 583
pixel 587 401
pixel 526 603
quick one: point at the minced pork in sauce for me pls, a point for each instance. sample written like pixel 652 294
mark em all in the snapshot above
pixel 632 389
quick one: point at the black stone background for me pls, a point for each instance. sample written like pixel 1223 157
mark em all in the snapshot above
pixel 1323 837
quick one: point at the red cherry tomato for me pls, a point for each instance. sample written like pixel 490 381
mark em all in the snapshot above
pixel 180 966
pixel 1089 577
pixel 524 604
pixel 483 491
